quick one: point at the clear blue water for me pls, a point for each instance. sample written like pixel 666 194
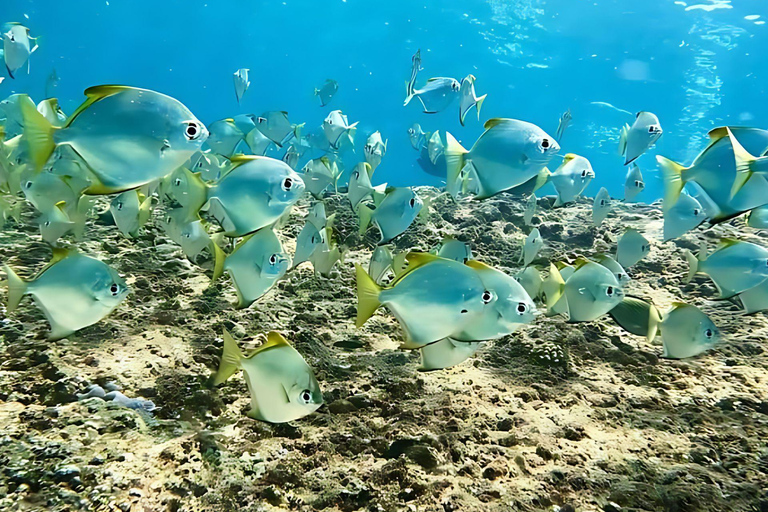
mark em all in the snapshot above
pixel 696 66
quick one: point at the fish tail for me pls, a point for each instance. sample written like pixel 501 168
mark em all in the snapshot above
pixel 673 180
pixel 454 162
pixel 555 287
pixel 351 133
pixel 218 261
pixel 745 164
pixel 409 95
pixel 367 296
pixel 17 287
pixel 623 140
pixel 38 132
pixel 230 360
pixel 693 265
pixel 365 214
pixel 542 179
pixel 654 321
pixel 479 104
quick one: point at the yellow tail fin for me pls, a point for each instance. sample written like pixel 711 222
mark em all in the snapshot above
pixel 230 360
pixel 38 132
pixel 479 104
pixel 365 215
pixel 17 287
pixel 744 164
pixel 673 180
pixel 367 296
pixel 454 163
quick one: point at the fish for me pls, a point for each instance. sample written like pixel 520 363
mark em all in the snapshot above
pixel 318 174
pixel 758 217
pixel 507 154
pixel 255 265
pixel 415 68
pixel 687 332
pixel 45 189
pixel 360 188
pixel 436 95
pixel 601 207
pixel 530 279
pixel 131 210
pixel 618 271
pixel 447 353
pixel 571 178
pixel 714 172
pixel 188 190
pixel 242 83
pixel 755 299
pixel 310 239
pixel 18 46
pixel 433 299
pixel 553 287
pixel 632 247
pixel 733 266
pixel 257 142
pixel 254 194
pixel 318 217
pixel 685 215
pixel 338 131
pixel 73 291
pixel 277 128
pixel 638 138
pixel 283 387
pixel 375 148
pixel 563 123
pixel 194 239
pixel 417 136
pixel 746 164
pixel 634 184
pixel 54 224
pixel 327 91
pixel 327 255
pixel 225 136
pixel 11 110
pixel 469 99
pixel 291 157
pixel 393 215
pixel 530 209
pixel 637 316
pixel 452 249
pixel 380 264
pixel 52 112
pixel 435 147
pixel 506 306
pixel 127 137
pixel 531 247
pixel 210 166
pixel 591 292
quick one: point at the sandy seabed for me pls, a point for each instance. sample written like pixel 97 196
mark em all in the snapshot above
pixel 611 426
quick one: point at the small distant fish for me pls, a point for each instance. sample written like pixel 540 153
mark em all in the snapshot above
pixel 276 126
pixel 436 95
pixel 194 239
pixel 128 137
pixel 417 136
pixel 590 292
pixel 255 265
pixel 394 215
pixel 415 68
pixel 131 210
pixel 734 266
pixel 327 91
pixel 507 154
pixel 52 112
pixel 755 299
pixel 637 316
pixel 469 99
pixel 188 190
pixel 571 178
pixel 530 279
pixel 17 48
pixel 634 184
pixel 530 209
pixel 283 387
pixel 318 174
pixel 435 147
pixel 446 353
pixel 360 187
pixel 632 247
pixel 74 291
pixel 380 264
pixel 687 332
pixel 685 215
pixel 54 224
pixel 291 157
pixel 452 249
pixel 531 247
pixel 338 131
pixel 241 83
pixel 224 137
pixel 310 239
pixel 563 124
pixel 638 138
pixel 327 255
pixel 257 142
pixel 375 148
pixel 45 189
pixel 601 207
pixel 210 166
pixel 757 217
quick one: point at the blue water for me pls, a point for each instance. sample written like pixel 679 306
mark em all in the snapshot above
pixel 696 66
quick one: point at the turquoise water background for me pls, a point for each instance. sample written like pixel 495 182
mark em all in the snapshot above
pixel 696 65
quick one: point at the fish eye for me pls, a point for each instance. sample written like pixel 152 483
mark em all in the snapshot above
pixel 356 174
pixel 602 202
pixel 708 333
pixel 177 182
pixel 695 212
pixel 609 291
pixel 287 184
pixel 114 289
pixel 305 396
pixel 545 143
pixel 521 308
pixel 330 121
pixel 411 131
pixel 584 173
pixel 619 276
pixel 273 259
pixel 28 184
pixel 47 223
pixel 412 202
pixel 487 297
pixel 119 206
pixel 192 132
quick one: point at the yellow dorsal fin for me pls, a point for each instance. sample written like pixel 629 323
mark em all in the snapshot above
pixel 718 133
pixel 238 160
pixel 94 94
pixel 493 122
pixel 568 157
pixel 478 265
pixel 580 262
pixel 59 253
pixel 678 305
pixel 230 120
pixel 60 205
pixel 416 260
pixel 274 339
pixel 727 242
pixel 560 265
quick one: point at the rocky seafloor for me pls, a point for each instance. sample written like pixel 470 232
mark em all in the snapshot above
pixel 610 427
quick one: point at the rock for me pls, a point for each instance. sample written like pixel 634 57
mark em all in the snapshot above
pixel 611 507
pixel 341 406
pixel 495 469
pixel 66 473
pixel 602 400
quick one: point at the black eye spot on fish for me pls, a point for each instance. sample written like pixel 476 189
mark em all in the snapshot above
pixel 487 297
